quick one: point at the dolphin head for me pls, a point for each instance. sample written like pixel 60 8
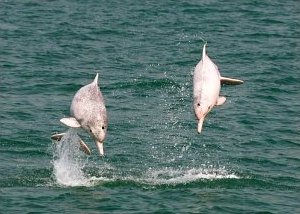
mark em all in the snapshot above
pixel 98 133
pixel 201 110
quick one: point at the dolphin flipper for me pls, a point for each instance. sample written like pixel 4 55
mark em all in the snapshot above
pixel 71 122
pixel 83 146
pixel 221 100
pixel 231 81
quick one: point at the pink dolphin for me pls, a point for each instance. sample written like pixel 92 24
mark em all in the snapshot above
pixel 206 87
pixel 89 113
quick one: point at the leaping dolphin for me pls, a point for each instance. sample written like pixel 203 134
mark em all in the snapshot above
pixel 89 113
pixel 206 87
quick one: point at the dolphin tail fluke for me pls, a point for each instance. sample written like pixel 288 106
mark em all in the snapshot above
pixel 200 124
pixel 231 81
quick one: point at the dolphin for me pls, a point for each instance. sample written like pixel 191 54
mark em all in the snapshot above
pixel 89 113
pixel 206 87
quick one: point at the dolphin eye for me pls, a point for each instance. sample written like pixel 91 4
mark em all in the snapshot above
pixel 198 104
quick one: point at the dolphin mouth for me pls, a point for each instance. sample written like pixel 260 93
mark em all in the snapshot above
pixel 200 124
pixel 100 148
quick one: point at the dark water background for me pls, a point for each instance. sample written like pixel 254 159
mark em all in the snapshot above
pixel 247 160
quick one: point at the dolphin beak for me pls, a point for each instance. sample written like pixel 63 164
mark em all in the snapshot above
pixel 200 123
pixel 100 148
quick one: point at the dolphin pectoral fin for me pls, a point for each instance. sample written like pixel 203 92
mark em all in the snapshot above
pixel 57 137
pixel 84 147
pixel 200 124
pixel 231 81
pixel 71 122
pixel 221 100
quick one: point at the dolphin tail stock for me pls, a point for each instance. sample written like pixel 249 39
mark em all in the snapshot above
pixel 83 146
pixel 230 81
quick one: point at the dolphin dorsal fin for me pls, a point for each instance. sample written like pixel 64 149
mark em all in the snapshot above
pixel 96 79
pixel 204 50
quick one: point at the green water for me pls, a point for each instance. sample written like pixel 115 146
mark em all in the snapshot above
pixel 245 161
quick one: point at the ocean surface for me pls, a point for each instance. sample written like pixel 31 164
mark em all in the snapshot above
pixel 247 159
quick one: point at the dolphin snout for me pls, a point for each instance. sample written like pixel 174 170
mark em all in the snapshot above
pixel 200 123
pixel 100 148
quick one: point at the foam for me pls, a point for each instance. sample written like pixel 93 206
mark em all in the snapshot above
pixel 168 176
pixel 183 176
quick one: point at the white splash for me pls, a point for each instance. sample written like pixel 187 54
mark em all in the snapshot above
pixel 182 176
pixel 68 161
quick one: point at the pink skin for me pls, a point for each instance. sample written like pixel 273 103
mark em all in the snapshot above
pixel 200 113
pixel 206 88
pixel 88 108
